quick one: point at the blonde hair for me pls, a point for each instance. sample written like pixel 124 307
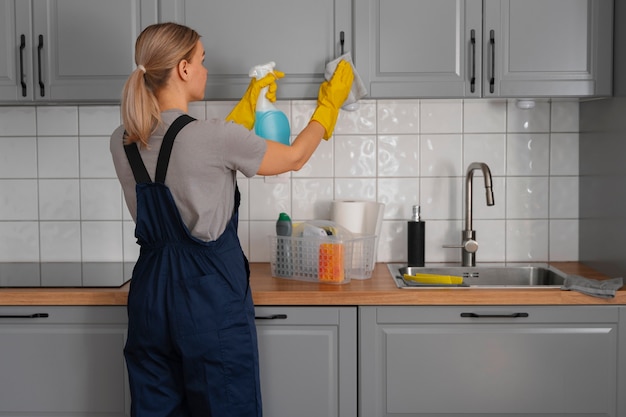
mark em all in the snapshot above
pixel 158 49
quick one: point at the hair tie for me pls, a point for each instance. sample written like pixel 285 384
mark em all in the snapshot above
pixel 142 68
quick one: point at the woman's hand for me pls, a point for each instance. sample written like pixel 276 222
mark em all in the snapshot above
pixel 244 111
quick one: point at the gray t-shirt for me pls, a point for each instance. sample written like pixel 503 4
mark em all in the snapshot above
pixel 202 171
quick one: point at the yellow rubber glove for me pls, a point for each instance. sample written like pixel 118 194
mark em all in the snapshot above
pixel 331 97
pixel 243 113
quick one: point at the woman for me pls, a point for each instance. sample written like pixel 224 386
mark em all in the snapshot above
pixel 191 347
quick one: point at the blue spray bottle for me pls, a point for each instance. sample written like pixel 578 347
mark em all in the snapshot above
pixel 270 123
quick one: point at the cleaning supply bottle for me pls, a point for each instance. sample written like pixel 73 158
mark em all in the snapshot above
pixel 284 261
pixel 416 238
pixel 270 123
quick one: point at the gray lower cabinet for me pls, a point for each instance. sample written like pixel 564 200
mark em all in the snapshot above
pixel 621 372
pixel 63 361
pixel 308 361
pixel 501 361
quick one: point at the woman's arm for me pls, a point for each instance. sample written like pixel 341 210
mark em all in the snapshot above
pixel 281 158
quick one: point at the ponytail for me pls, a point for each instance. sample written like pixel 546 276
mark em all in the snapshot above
pixel 158 50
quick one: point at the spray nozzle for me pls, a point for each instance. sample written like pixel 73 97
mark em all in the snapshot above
pixel 260 71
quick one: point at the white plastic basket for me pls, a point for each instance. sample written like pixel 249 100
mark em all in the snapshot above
pixel 326 260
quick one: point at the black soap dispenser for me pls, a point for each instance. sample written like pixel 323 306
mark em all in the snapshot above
pixel 416 232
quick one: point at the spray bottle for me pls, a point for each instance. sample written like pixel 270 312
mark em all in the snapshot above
pixel 270 123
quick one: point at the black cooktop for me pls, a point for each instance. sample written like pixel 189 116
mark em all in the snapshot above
pixel 65 274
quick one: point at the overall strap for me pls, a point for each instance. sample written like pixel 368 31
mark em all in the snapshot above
pixel 168 143
pixel 136 163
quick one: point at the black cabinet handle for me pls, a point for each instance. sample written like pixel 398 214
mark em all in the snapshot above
pixel 342 40
pixel 24 316
pixel 473 76
pixel 503 316
pixel 492 42
pixel 271 317
pixel 42 89
pixel 22 47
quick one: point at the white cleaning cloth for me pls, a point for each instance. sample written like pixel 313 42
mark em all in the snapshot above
pixel 358 90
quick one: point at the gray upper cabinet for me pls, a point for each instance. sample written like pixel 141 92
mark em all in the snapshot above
pixel 69 50
pixel 419 48
pixel 490 48
pixel 299 35
pixel 548 48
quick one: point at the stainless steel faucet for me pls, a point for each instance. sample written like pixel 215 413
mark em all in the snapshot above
pixel 469 245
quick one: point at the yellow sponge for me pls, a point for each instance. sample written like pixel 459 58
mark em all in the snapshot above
pixel 331 262
pixel 434 279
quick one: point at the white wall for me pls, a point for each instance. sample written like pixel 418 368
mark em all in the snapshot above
pixel 60 200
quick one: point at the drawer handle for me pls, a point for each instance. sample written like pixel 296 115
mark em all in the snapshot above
pixel 24 316
pixel 504 316
pixel 271 317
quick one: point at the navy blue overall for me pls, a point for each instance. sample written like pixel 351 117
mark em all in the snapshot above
pixel 192 344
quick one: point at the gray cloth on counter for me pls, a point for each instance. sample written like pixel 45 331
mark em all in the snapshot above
pixel 594 287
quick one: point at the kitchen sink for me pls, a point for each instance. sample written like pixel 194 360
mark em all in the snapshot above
pixel 496 276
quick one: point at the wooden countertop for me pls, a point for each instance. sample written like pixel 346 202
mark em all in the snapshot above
pixel 378 290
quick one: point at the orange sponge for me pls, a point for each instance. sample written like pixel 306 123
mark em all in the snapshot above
pixel 331 262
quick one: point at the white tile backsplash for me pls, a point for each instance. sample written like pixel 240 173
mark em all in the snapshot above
pixel 60 241
pixel 100 199
pixel 95 158
pixel 57 121
pixel 311 198
pixel 18 157
pixel 355 156
pixel 484 116
pixel 489 148
pixel 398 116
pixel 57 157
pixel 98 120
pixel 528 154
pixel 60 200
pixel 564 154
pixel 564 116
pixel 18 200
pixel 19 241
pixel 527 240
pixel 18 121
pixel 441 155
pixel 441 116
pixel 527 197
pixel 398 155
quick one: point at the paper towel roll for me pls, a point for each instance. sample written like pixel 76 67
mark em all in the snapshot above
pixel 350 214
pixel 358 216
